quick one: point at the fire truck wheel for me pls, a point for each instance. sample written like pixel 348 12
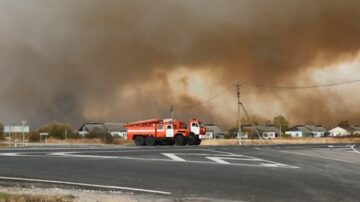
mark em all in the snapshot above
pixel 150 141
pixel 139 141
pixel 192 139
pixel 179 140
pixel 198 141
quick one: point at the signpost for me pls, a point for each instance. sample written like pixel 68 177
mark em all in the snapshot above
pixel 17 129
pixel 44 134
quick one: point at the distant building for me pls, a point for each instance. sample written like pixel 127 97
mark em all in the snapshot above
pixel 115 129
pixel 344 131
pixel 266 132
pixel 306 131
pixel 214 131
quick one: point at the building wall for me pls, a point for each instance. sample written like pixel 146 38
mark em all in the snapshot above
pixel 269 135
pixel 339 132
pixel 294 133
pixel 318 134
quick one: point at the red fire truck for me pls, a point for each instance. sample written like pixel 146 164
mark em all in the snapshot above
pixel 153 131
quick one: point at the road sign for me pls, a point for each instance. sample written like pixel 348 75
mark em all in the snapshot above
pixel 16 129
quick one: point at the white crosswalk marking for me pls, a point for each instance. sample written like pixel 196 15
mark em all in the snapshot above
pixel 218 160
pixel 205 156
pixel 173 157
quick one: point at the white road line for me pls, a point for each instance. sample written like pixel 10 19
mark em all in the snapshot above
pixel 141 150
pixel 218 160
pixel 355 150
pixel 221 152
pixel 324 157
pixel 86 185
pixel 343 149
pixel 71 154
pixel 254 159
pixel 270 165
pixel 9 154
pixel 164 160
pixel 173 157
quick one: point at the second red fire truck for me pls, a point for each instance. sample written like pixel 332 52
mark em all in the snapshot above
pixel 153 131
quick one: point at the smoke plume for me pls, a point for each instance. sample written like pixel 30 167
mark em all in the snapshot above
pixel 77 61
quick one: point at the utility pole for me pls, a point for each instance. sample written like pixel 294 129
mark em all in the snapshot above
pixel 23 132
pixel 252 123
pixel 172 109
pixel 66 135
pixel 238 103
pixel 11 129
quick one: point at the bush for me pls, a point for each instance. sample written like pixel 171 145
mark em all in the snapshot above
pixel 105 137
pixel 34 137
pixel 286 136
pixel 57 130
pixel 230 136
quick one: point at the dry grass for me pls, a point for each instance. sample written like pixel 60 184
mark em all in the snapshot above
pixel 119 141
pixel 282 141
pixel 8 197
pixel 116 141
pixel 76 141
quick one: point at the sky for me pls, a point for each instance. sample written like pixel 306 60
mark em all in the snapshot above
pixel 126 60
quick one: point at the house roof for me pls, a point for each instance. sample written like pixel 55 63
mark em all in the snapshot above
pixel 263 128
pixel 352 128
pixel 214 128
pixel 115 127
pixel 316 128
pixel 307 128
pixel 103 127
pixel 93 127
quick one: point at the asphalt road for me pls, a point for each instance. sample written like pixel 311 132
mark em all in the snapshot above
pixel 241 173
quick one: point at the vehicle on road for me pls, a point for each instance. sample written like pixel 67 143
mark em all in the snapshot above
pixel 166 131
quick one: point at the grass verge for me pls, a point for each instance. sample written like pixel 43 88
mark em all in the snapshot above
pixel 96 141
pixel 282 141
pixel 8 197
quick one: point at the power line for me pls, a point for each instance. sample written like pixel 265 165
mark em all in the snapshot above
pixel 300 87
pixel 261 85
pixel 207 101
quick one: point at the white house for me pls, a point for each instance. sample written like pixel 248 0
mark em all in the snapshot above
pixel 344 131
pixel 266 132
pixel 213 131
pixel 306 131
pixel 339 131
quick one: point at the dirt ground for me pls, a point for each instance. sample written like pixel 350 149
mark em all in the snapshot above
pixel 72 195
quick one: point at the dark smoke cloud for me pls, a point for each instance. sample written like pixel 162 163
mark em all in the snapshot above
pixel 110 60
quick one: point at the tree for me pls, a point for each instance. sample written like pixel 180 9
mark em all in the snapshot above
pixel 57 130
pixel 280 122
pixel 344 124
